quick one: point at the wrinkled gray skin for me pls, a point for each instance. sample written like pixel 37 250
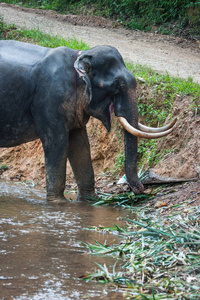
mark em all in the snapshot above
pixel 38 100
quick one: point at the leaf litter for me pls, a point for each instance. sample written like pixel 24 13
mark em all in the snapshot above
pixel 158 257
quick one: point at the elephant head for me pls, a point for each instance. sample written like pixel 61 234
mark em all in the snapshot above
pixel 111 86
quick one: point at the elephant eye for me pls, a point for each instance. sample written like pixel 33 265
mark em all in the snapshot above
pixel 122 85
pixel 118 86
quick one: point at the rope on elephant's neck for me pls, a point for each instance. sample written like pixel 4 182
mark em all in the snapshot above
pixel 76 109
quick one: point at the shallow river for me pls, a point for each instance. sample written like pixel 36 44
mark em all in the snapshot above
pixel 41 256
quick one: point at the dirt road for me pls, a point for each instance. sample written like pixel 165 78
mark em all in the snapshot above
pixel 161 53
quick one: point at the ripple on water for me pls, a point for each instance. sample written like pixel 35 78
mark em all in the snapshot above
pixel 41 256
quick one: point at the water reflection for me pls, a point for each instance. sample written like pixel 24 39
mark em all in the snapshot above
pixel 41 256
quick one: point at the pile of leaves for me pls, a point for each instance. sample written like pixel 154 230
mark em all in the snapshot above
pixel 157 258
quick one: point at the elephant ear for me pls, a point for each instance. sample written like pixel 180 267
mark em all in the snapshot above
pixel 83 67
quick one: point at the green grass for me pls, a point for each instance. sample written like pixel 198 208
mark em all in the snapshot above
pixel 156 258
pixel 36 36
pixel 3 167
pixel 165 83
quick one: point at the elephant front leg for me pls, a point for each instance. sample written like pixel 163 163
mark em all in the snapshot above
pixel 80 160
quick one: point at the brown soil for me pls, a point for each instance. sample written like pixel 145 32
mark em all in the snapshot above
pixel 26 162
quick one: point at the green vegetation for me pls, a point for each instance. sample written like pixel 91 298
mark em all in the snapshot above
pixel 164 15
pixel 156 258
pixel 36 36
pixel 120 200
pixel 3 167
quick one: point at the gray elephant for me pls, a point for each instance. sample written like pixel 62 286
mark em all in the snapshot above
pixel 51 93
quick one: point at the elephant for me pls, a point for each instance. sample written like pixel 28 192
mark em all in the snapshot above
pixel 50 94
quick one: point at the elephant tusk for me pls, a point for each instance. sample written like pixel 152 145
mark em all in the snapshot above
pixel 153 129
pixel 142 134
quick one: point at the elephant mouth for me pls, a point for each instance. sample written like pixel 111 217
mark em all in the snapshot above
pixel 111 110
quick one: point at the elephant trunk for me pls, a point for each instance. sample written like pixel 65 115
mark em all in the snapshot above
pixel 130 146
pixel 126 107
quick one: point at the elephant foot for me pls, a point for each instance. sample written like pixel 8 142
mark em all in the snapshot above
pixel 53 199
pixel 86 196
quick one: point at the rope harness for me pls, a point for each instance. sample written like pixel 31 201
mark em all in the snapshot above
pixel 76 108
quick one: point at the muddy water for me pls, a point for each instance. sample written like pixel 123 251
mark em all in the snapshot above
pixel 41 256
